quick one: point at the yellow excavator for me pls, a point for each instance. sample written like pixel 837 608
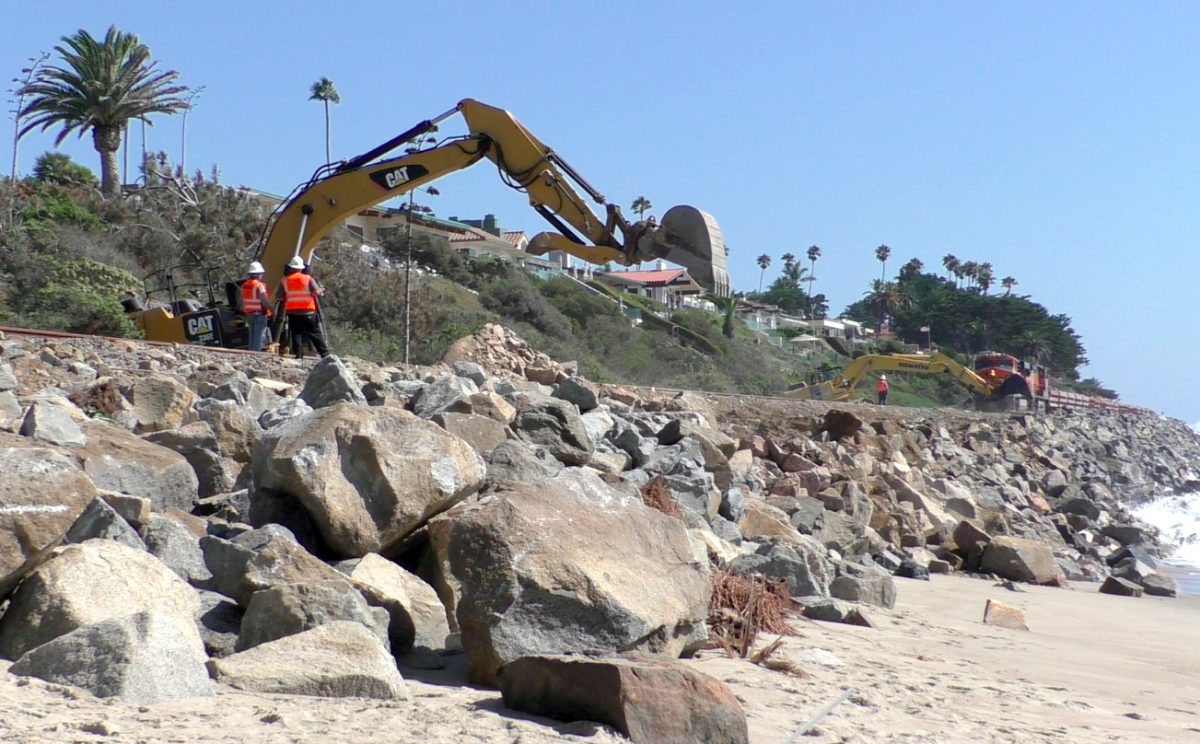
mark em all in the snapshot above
pixel 838 385
pixel 686 236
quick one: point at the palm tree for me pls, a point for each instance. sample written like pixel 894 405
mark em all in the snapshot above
pixel 949 263
pixel 728 307
pixel 788 260
pixel 100 86
pixel 323 91
pixel 911 269
pixel 794 275
pixel 764 262
pixel 883 299
pixel 881 255
pixel 641 205
pixel 1008 283
pixel 818 306
pixel 813 254
pixel 1035 344
pixel 985 278
pixel 970 270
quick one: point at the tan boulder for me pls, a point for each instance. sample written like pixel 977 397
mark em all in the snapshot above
pixel 118 461
pixel 89 582
pixel 158 402
pixel 338 659
pixel 763 520
pixel 367 476
pixel 417 615
pixel 1022 560
pixel 42 492
pixel 481 432
pixel 1004 616
pixel 573 566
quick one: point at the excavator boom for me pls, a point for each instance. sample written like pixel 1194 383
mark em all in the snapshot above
pixel 686 236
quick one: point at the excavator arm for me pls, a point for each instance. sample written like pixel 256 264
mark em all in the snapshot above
pixel 686 236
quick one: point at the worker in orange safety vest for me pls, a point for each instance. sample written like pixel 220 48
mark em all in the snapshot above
pixel 256 306
pixel 298 292
pixel 881 387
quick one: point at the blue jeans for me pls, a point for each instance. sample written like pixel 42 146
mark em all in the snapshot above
pixel 258 331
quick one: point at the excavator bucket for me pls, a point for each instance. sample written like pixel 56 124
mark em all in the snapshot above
pixel 694 242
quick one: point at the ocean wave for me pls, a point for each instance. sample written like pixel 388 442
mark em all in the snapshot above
pixel 1177 517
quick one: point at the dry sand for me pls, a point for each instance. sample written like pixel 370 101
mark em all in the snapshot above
pixel 1093 668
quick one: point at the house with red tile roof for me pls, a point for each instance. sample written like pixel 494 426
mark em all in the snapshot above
pixel 662 283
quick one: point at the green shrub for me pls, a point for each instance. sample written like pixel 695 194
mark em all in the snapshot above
pixel 519 300
pixel 74 295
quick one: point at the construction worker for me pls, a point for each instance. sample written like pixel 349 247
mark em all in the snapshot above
pixel 299 292
pixel 256 305
pixel 881 387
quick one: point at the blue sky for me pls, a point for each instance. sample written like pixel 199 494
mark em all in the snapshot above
pixel 1056 141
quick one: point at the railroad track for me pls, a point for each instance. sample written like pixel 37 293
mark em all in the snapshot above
pixel 163 344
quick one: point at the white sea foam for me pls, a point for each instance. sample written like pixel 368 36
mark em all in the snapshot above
pixel 1177 517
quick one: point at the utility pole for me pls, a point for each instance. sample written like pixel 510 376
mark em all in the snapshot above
pixel 408 277
pixel 30 72
pixel 408 259
pixel 183 139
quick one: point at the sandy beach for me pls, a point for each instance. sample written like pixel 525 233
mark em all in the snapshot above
pixel 1093 668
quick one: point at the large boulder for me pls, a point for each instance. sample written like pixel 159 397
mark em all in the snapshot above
pixel 99 521
pixel 556 425
pixel 288 609
pixel 197 443
pixel 179 550
pixel 578 391
pixel 239 570
pixel 481 432
pixel 449 394
pixel 571 565
pixel 142 659
pixel 289 409
pixel 802 564
pixel 368 476
pixel 118 461
pixel 8 381
pixel 255 398
pixel 865 584
pixel 514 463
pixel 1022 560
pixel 84 584
pixel 649 700
pixel 418 618
pixel 48 422
pixel 234 429
pixel 158 402
pixel 42 493
pixel 339 659
pixel 330 383
pixel 219 622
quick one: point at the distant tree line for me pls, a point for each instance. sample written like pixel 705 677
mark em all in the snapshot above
pixel 962 316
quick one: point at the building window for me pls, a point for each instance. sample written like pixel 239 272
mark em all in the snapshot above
pixel 355 229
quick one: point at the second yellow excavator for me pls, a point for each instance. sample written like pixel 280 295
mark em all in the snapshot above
pixel 686 236
pixel 836 385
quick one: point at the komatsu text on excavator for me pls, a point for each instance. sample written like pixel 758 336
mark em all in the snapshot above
pixel 685 236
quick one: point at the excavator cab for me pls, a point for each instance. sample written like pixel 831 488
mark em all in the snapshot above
pixel 181 309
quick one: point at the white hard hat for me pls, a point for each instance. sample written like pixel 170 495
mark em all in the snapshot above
pixel 296 263
pixel 883 377
pixel 256 268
